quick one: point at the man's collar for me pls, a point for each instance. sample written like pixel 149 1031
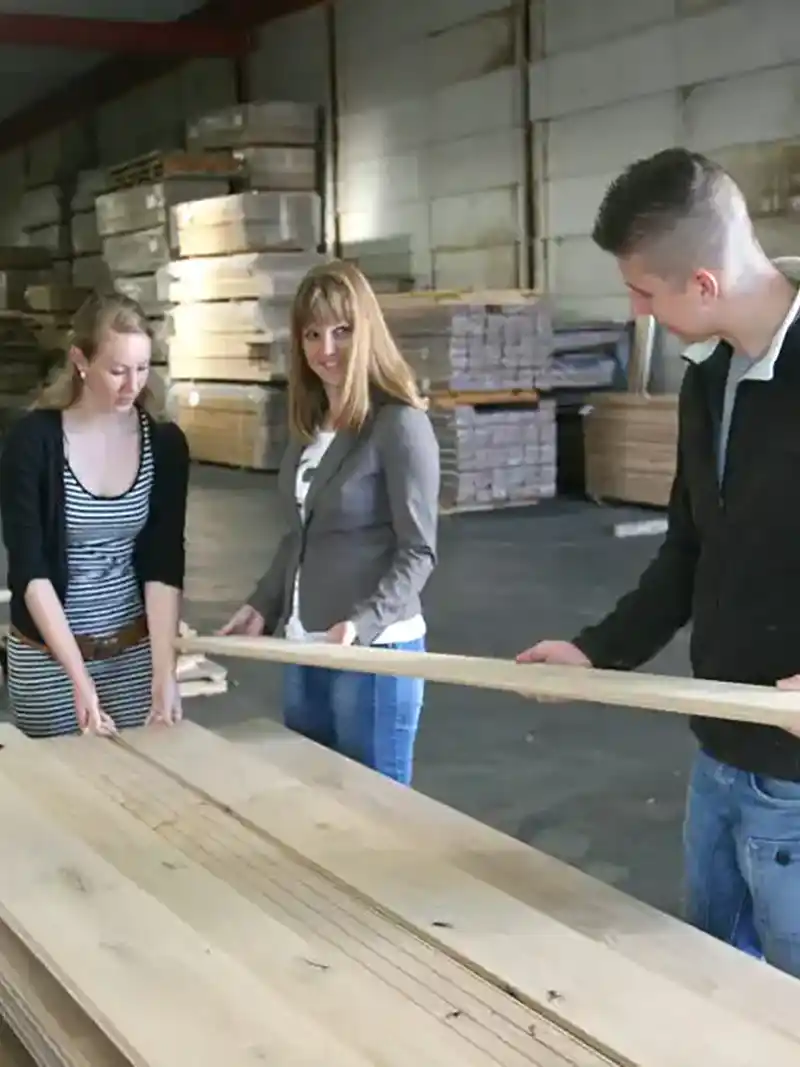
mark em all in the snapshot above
pixel 763 369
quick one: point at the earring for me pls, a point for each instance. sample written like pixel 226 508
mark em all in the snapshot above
pixel 82 373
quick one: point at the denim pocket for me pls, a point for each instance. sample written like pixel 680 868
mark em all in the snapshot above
pixel 778 792
pixel 774 876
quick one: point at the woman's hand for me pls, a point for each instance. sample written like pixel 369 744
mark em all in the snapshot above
pixel 343 633
pixel 246 622
pixel 91 717
pixel 165 701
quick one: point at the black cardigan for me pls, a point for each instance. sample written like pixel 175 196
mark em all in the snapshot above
pixel 33 514
pixel 730 562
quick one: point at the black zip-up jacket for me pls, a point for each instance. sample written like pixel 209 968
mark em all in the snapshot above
pixel 730 562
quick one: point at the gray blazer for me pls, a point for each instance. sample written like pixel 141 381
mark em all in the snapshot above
pixel 369 542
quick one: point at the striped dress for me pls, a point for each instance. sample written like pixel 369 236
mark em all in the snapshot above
pixel 102 596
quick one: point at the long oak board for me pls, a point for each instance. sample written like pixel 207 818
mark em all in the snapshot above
pixel 652 692
pixel 626 1012
pixel 200 903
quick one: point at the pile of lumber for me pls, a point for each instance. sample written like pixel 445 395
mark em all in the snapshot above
pixel 463 340
pixel 631 438
pixel 176 897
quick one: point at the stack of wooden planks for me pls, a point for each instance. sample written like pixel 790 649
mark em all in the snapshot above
pixel 176 897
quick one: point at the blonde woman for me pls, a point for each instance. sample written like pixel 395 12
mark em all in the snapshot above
pixel 93 488
pixel 360 487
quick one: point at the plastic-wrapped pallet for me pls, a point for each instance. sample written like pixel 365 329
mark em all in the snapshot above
pixel 464 344
pixel 248 222
pixel 229 319
pixel 248 275
pixel 280 169
pixel 258 123
pixel 235 425
pixel 494 457
pixel 148 207
pixel 138 235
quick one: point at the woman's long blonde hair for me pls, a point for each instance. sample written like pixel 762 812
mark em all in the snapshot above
pixel 337 292
pixel 98 315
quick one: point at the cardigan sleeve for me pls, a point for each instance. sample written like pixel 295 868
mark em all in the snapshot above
pixel 161 546
pixel 23 464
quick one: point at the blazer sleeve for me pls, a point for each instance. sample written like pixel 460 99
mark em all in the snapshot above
pixel 409 454
pixel 23 468
pixel 161 546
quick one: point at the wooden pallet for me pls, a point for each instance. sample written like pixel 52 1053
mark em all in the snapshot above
pixel 161 166
pixel 175 897
pixel 447 399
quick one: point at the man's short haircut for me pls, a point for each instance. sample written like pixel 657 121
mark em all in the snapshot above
pixel 678 206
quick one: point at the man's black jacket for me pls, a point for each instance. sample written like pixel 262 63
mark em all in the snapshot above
pixel 730 562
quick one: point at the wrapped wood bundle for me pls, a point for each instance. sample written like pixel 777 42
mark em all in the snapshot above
pixel 494 457
pixel 248 222
pixel 235 425
pixel 468 343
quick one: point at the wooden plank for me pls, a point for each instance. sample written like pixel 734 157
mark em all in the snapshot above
pixel 384 990
pixel 631 689
pixel 617 1007
pixel 659 942
pixel 161 992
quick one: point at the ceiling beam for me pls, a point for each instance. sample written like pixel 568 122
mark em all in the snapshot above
pixel 113 78
pixel 121 35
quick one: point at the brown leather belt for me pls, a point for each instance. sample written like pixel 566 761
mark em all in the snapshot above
pixel 95 648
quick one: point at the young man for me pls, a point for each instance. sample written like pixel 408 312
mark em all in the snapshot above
pixel 679 229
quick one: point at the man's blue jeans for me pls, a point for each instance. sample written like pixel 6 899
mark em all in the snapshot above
pixel 742 861
pixel 370 718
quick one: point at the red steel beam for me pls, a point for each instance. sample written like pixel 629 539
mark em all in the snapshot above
pixel 121 35
pixel 112 78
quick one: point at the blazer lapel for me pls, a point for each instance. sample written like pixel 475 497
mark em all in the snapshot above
pixel 342 446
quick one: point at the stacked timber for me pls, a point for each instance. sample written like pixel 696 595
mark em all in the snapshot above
pixel 230 293
pixel 43 221
pixel 631 438
pixel 35 311
pixel 278 143
pixel 478 356
pixel 162 903
pixel 138 237
pixel 89 269
pixel 631 444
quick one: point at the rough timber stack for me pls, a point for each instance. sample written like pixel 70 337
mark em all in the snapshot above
pixel 161 903
pixel 241 258
pixel 478 357
pixel 35 309
pixel 135 224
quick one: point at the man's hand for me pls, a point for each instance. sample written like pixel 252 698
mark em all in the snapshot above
pixel 793 682
pixel 557 653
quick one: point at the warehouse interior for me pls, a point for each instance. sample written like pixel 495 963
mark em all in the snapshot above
pixel 462 145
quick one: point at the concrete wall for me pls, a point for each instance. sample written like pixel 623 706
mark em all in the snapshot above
pixel 433 98
pixel 431 145
pixel 719 77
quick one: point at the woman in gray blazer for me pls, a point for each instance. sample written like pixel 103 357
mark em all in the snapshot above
pixel 359 486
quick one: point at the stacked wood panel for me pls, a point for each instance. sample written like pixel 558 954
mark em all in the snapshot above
pixel 479 358
pixel 631 437
pixel 35 310
pixel 240 258
pixel 179 898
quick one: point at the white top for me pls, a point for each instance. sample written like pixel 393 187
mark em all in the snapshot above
pixel 311 457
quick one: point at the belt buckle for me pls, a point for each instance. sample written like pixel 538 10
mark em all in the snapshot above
pixel 104 647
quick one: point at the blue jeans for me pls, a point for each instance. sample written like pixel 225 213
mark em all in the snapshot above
pixel 742 861
pixel 370 718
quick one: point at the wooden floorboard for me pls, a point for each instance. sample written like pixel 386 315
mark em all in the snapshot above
pixel 178 897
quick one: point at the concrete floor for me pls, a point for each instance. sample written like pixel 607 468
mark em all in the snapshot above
pixel 600 788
